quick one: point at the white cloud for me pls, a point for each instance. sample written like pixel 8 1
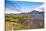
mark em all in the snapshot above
pixel 8 11
pixel 40 7
pixel 15 11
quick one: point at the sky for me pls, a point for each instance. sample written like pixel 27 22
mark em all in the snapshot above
pixel 22 6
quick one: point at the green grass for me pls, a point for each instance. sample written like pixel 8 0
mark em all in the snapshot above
pixel 19 20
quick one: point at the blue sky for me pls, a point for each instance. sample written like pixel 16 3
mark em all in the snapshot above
pixel 21 6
